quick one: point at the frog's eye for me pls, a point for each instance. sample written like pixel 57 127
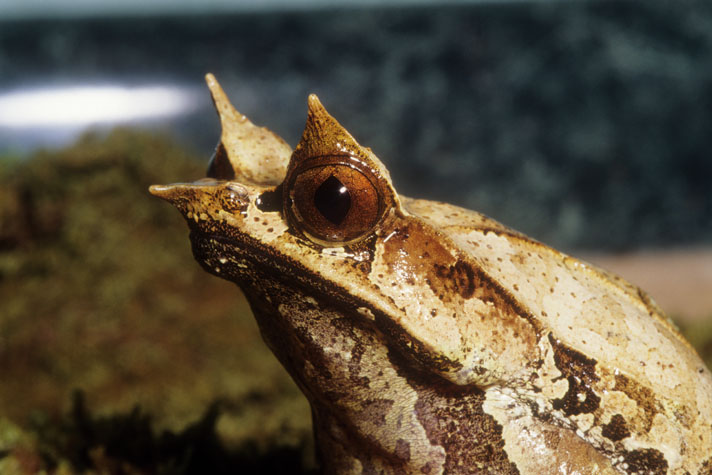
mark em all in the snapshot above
pixel 333 203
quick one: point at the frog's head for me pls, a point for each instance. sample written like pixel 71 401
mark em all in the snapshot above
pixel 321 231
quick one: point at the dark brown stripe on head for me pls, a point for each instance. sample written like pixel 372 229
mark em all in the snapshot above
pixel 648 461
pixel 643 396
pixel 580 371
pixel 616 429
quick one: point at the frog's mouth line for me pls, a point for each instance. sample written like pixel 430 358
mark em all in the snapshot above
pixel 252 261
pixel 246 261
pixel 245 257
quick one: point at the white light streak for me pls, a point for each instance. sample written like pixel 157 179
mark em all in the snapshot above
pixel 81 106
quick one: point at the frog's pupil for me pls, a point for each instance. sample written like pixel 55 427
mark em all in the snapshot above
pixel 333 200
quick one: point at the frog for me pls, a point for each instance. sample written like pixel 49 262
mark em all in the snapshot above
pixel 429 338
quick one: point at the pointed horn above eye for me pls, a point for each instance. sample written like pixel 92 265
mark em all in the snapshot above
pixel 246 153
pixel 323 135
pixel 222 104
pixel 325 138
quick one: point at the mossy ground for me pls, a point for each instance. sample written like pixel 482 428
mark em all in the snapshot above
pixel 118 354
pixel 100 294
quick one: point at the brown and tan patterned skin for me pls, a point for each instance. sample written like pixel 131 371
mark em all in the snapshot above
pixel 432 339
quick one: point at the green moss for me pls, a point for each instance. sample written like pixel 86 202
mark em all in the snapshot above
pixel 101 294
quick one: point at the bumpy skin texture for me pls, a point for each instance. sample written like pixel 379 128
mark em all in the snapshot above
pixel 438 340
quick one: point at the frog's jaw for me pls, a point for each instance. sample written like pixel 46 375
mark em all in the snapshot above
pixel 336 358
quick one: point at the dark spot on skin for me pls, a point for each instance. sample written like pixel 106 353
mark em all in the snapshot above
pixel 572 362
pixel 403 450
pixel 579 399
pixel 616 429
pixel 706 468
pixel 427 468
pixel 643 396
pixel 580 372
pixel 364 267
pixel 648 461
pixel 461 275
pixel 376 411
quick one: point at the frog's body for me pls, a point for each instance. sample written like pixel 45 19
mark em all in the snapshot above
pixel 429 338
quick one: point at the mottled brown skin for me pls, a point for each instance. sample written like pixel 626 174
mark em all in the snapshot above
pixel 432 339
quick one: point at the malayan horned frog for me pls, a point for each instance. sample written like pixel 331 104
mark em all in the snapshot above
pixel 432 339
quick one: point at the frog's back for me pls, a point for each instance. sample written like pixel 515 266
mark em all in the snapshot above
pixel 646 381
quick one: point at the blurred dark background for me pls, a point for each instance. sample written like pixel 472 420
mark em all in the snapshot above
pixel 586 124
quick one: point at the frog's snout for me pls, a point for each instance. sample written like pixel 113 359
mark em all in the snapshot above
pixel 204 200
pixel 179 190
pixel 162 191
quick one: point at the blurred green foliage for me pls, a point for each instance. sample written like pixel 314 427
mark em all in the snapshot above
pixel 100 293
